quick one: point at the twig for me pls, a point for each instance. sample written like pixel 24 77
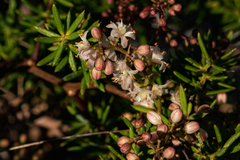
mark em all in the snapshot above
pixel 63 138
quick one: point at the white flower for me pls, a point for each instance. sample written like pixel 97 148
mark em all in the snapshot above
pixel 156 57
pixel 159 90
pixel 175 97
pixel 121 31
pixel 123 74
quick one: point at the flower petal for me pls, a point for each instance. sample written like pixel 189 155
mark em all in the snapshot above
pixel 130 34
pixel 84 36
pixel 111 54
pixel 114 33
pixel 112 25
pixel 124 42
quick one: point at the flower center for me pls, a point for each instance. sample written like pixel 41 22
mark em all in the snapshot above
pixel 122 30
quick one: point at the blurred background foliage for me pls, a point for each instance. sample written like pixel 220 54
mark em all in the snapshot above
pixel 31 109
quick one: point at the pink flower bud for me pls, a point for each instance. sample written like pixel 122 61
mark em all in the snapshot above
pixel 203 134
pixel 128 115
pixel 147 8
pixel 162 22
pixel 143 49
pixel 105 14
pixel 172 12
pixel 171 1
pixel 154 137
pixel 173 43
pixel 153 12
pixel 191 127
pixel 143 14
pixel 221 98
pixel 146 136
pixel 108 68
pixel 205 108
pixel 141 143
pixel 122 140
pixel 96 74
pixel 162 129
pixel 125 148
pixel 169 152
pixel 131 7
pixel 176 142
pixel 133 122
pixel 173 106
pixel 139 64
pixel 99 64
pixel 132 156
pixel 190 139
pixel 193 41
pixel 177 7
pixel 154 118
pixel 120 7
pixel 110 1
pixel 176 115
pixel 139 123
pixel 96 32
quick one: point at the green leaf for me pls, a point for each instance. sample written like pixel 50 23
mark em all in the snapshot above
pixel 72 75
pixel 191 68
pixel 200 139
pixel 72 62
pixel 182 77
pixel 61 64
pixel 100 157
pixel 213 104
pixel 218 68
pixel 47 59
pixel 115 152
pixel 95 24
pixel 218 91
pixel 85 23
pixel 228 54
pixel 213 78
pixel 68 19
pixel 230 33
pixel 92 40
pixel 193 62
pixel 218 135
pixel 47 39
pixel 98 83
pixel 76 23
pixel 209 35
pixel 75 35
pixel 183 100
pixel 105 114
pixel 197 116
pixel 83 86
pixel 149 124
pixel 57 19
pixel 189 108
pixel 131 133
pixel 85 73
pixel 225 85
pixel 71 110
pixel 66 3
pixel 53 48
pixel 142 109
pixel 237 128
pixel 73 49
pixel 31 6
pixel 129 124
pixel 165 120
pixel 202 46
pixel 235 148
pixel 58 54
pixel 114 136
pixel 46 32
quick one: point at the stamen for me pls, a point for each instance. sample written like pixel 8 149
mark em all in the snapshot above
pixel 164 51
pixel 117 29
pixel 131 100
pixel 121 80
pixel 148 103
pixel 132 77
pixel 125 95
pixel 155 43
pixel 86 63
pixel 121 19
pixel 185 89
pixel 131 95
pixel 110 21
pixel 129 24
pixel 76 56
pixel 146 95
pixel 127 40
pixel 74 45
pixel 121 73
pixel 167 64
pixel 81 42
pixel 137 94
pixel 134 31
pixel 137 103
pixel 80 34
pixel 76 49
pixel 113 77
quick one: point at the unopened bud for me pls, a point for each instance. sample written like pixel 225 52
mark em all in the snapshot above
pixel 191 127
pixel 133 122
pixel 221 98
pixel 177 7
pixel 176 115
pixel 99 64
pixel 190 139
pixel 105 14
pixel 131 7
pixel 176 142
pixel 173 106
pixel 205 108
pixel 203 134
pixel 162 130
pixel 172 12
pixel 4 143
pixel 162 22
pixel 146 136
pixel 23 138
pixel 128 115
pixel 154 137
pixel 110 1
pixel 171 1
pixel 173 43
pixel 96 74
pixel 169 152
pixel 139 123
pixel 132 156
pixel 153 12
pixel 154 118
pixel 96 32
pixel 108 70
pixel 122 140
pixel 143 49
pixel 143 14
pixel 193 41
pixel 125 148
pixel 141 143
pixel 139 64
